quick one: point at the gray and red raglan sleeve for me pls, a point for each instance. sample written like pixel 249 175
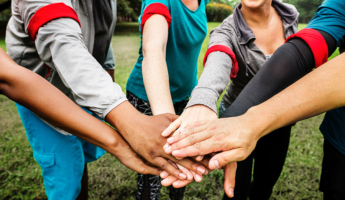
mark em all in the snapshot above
pixel 55 28
pixel 220 65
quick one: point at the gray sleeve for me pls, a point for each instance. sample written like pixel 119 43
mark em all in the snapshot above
pixel 109 63
pixel 60 45
pixel 216 74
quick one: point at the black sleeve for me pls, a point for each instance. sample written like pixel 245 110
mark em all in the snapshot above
pixel 289 63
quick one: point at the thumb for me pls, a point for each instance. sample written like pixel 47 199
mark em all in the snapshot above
pixel 143 168
pixel 172 117
pixel 172 127
pixel 221 159
pixel 229 178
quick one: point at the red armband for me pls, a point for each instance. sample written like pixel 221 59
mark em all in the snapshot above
pixel 155 8
pixel 48 13
pixel 228 51
pixel 316 43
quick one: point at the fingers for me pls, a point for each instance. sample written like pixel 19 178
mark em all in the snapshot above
pixel 199 158
pixel 169 180
pixel 146 169
pixel 221 159
pixel 172 127
pixel 189 141
pixel 229 178
pixel 197 177
pixel 186 171
pixel 168 167
pixel 204 162
pixel 192 165
pixel 200 148
pixel 185 133
pixel 177 183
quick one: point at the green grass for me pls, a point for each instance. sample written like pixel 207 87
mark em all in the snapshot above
pixel 20 176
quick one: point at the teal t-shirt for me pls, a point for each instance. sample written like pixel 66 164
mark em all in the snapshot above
pixel 330 18
pixel 187 32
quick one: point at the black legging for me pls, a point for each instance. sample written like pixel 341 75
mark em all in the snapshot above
pixel 290 62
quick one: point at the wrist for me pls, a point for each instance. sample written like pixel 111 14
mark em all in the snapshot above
pixel 164 111
pixel 259 122
pixel 124 117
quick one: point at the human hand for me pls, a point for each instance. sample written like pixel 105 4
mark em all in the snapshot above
pixel 176 183
pixel 229 179
pixel 189 116
pixel 125 154
pixel 143 133
pixel 235 137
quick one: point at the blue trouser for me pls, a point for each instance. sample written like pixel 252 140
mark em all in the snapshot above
pixel 61 157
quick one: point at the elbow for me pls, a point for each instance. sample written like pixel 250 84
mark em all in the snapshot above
pixel 152 51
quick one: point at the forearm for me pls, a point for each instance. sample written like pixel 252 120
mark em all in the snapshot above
pixel 156 81
pixel 289 63
pixel 154 67
pixel 125 118
pixel 38 95
pixel 319 91
pixel 213 81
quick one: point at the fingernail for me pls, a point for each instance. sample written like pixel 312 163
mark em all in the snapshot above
pixel 201 170
pixel 176 183
pixel 168 149
pixel 198 178
pixel 182 176
pixel 171 140
pixel 231 192
pixel 164 174
pixel 214 164
pixel 175 152
pixel 164 132
pixel 164 182
pixel 165 146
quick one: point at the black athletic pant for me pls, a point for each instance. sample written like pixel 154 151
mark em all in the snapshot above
pixel 332 182
pixel 149 186
pixel 289 63
pixel 269 156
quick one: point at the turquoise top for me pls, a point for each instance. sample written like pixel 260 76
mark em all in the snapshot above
pixel 187 32
pixel 330 18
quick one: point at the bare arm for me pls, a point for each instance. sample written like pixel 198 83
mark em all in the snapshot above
pixel 155 71
pixel 38 95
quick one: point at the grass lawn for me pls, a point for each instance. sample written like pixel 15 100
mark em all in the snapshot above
pixel 20 176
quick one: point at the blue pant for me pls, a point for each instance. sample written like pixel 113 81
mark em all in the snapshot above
pixel 61 157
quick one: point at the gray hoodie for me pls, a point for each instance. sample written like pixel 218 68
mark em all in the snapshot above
pixel 65 47
pixel 235 34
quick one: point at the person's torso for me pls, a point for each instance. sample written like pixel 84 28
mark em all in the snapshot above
pixel 330 18
pixel 333 128
pixel 21 48
pixel 185 37
pixel 250 58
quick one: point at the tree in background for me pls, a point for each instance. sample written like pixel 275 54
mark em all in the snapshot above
pixel 128 10
pixel 306 8
pixel 232 3
pixel 5 9
pixel 217 12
